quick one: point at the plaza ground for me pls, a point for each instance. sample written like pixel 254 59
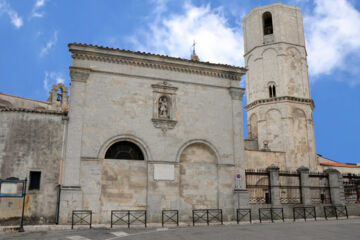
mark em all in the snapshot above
pixel 333 229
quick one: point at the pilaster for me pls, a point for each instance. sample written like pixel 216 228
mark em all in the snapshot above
pixel 236 94
pixel 305 186
pixel 335 186
pixel 274 185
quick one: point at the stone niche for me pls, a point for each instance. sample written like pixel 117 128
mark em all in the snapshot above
pixel 164 106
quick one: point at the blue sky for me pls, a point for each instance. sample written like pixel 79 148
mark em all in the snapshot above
pixel 34 35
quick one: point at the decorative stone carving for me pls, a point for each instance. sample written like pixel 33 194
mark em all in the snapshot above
pixel 236 93
pixel 79 74
pixel 164 106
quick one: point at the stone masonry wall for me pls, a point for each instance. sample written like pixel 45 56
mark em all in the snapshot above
pixel 31 141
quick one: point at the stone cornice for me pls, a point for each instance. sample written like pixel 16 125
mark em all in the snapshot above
pixel 274 43
pixel 280 99
pixel 28 110
pixel 116 56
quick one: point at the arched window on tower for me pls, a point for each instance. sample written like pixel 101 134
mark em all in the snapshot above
pixel 272 91
pixel 267 23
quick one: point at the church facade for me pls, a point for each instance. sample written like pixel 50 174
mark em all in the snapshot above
pixel 149 132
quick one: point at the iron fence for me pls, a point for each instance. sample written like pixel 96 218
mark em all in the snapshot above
pixel 335 211
pixel 319 188
pixel 305 212
pixel 258 186
pixel 81 217
pixel 351 188
pixel 242 213
pixel 128 217
pixel 271 214
pixel 170 216
pixel 290 187
pixel 207 216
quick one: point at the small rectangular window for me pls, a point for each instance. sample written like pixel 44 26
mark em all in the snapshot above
pixel 34 183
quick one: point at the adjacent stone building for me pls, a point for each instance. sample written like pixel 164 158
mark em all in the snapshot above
pixel 150 132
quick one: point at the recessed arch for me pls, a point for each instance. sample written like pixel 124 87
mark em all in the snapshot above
pixel 128 138
pixel 205 142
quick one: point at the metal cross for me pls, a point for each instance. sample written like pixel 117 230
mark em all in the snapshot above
pixel 193 45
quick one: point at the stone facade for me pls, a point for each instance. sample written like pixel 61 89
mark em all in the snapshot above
pixel 151 132
pixel 119 96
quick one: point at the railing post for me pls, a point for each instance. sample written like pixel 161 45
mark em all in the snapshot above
pixel 162 218
pixel 250 215
pixel 129 219
pixel 72 220
pixel 259 215
pixel 145 218
pixel 221 216
pixel 207 216
pixel 271 214
pixel 193 217
pixel 177 217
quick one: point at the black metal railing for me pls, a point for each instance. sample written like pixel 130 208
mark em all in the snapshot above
pixel 351 188
pixel 170 216
pixel 305 212
pixel 319 188
pixel 258 186
pixel 271 214
pixel 242 213
pixel 128 217
pixel 81 217
pixel 335 211
pixel 207 216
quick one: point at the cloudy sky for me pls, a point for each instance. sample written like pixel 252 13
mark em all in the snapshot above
pixel 34 35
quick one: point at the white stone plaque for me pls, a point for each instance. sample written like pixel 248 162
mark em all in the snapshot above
pixel 164 172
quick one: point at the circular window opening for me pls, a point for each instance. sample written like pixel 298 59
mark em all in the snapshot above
pixel 124 150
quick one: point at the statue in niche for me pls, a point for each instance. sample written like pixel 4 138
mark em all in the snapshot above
pixel 163 107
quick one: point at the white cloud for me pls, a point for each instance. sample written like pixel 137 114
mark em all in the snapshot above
pixel 52 78
pixel 173 35
pixel 36 9
pixel 15 19
pixel 333 34
pixel 49 44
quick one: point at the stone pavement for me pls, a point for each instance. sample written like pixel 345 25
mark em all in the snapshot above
pixel 329 230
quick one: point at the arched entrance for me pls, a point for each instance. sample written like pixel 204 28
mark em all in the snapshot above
pixel 124 177
pixel 198 179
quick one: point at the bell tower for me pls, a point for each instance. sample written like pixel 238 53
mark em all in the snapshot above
pixel 279 109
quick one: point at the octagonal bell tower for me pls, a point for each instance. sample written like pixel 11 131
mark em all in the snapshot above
pixel 279 106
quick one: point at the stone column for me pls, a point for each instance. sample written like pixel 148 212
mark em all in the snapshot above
pixel 71 195
pixel 274 185
pixel 335 179
pixel 305 186
pixel 241 194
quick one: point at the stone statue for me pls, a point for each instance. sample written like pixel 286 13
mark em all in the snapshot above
pixel 163 107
